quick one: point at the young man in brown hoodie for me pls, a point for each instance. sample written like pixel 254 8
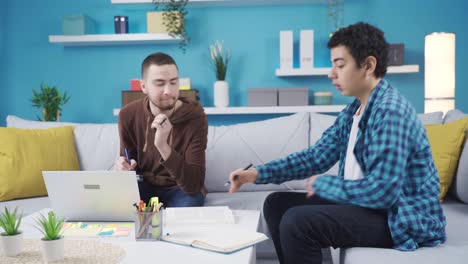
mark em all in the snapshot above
pixel 165 136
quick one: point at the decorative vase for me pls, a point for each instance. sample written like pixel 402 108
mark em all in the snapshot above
pixel 44 115
pixel 12 245
pixel 52 250
pixel 221 94
pixel 157 22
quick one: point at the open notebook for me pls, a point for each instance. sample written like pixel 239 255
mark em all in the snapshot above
pixel 209 228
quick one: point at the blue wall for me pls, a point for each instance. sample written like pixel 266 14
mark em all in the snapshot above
pixel 3 75
pixel 95 76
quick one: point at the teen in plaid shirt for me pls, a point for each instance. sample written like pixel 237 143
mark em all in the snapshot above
pixel 387 191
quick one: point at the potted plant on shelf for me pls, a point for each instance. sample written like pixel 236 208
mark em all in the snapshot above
pixel 11 238
pixel 50 100
pixel 52 243
pixel 172 15
pixel 219 60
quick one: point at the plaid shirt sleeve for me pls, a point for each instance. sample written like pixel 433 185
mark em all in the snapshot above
pixel 388 151
pixel 314 160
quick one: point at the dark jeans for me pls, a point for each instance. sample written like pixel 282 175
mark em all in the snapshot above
pixel 170 197
pixel 300 227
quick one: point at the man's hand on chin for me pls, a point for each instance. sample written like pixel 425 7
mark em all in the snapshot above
pixel 163 129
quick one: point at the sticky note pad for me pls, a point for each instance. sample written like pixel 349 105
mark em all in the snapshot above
pixel 81 232
pixel 122 231
pixel 107 232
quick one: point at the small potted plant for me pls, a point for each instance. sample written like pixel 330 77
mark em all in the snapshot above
pixel 50 100
pixel 173 14
pixel 11 238
pixel 53 242
pixel 219 60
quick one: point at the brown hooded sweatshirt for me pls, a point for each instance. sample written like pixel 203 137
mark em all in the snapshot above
pixel 185 167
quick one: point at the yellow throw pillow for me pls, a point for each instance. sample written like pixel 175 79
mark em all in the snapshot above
pixel 25 153
pixel 446 144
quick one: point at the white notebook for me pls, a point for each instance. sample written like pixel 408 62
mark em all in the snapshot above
pixel 208 228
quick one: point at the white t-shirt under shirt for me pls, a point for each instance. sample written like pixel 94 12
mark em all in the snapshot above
pixel 352 170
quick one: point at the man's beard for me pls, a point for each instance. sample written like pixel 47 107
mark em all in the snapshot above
pixel 164 107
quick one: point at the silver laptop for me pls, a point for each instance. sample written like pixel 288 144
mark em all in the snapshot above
pixel 92 195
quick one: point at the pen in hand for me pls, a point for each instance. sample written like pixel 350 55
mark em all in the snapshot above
pixel 139 177
pixel 128 158
pixel 237 176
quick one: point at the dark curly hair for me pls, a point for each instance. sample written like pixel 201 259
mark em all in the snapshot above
pixel 363 40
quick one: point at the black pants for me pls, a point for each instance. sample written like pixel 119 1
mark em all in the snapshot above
pixel 300 227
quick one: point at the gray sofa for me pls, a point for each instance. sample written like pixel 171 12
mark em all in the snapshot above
pixel 232 147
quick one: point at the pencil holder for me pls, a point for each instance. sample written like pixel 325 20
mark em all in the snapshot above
pixel 148 225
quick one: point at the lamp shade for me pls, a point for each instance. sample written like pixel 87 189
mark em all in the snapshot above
pixel 439 75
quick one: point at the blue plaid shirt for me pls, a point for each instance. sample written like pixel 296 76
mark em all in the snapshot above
pixel 394 154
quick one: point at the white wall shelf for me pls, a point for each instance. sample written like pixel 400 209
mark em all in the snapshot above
pixel 204 3
pixel 324 71
pixel 241 110
pixel 112 39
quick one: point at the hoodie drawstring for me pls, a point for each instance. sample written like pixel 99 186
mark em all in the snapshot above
pixel 148 120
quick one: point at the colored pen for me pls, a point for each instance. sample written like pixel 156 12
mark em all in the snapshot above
pixel 162 122
pixel 236 176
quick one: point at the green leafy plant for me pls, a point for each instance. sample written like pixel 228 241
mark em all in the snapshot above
pixel 219 59
pixel 10 222
pixel 50 100
pixel 174 14
pixel 51 226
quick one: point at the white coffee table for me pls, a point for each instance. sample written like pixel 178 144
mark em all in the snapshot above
pixel 163 252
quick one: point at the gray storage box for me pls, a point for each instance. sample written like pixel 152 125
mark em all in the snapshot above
pixel 293 96
pixel 263 97
pixel 78 25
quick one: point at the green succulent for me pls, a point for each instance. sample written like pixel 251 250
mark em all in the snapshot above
pixel 51 226
pixel 10 222
pixel 49 99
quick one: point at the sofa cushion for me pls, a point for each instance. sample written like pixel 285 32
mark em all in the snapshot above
pixel 28 205
pixel 434 118
pixel 454 251
pixel 318 124
pixel 97 144
pixel 459 188
pixel 25 153
pixel 446 142
pixel 235 146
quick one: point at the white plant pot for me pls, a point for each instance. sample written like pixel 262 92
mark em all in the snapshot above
pixel 12 245
pixel 52 250
pixel 221 94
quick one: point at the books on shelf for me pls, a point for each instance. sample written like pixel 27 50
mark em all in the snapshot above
pixel 306 49
pixel 207 228
pixel 286 49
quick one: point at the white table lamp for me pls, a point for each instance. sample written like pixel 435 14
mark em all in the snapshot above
pixel 439 75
